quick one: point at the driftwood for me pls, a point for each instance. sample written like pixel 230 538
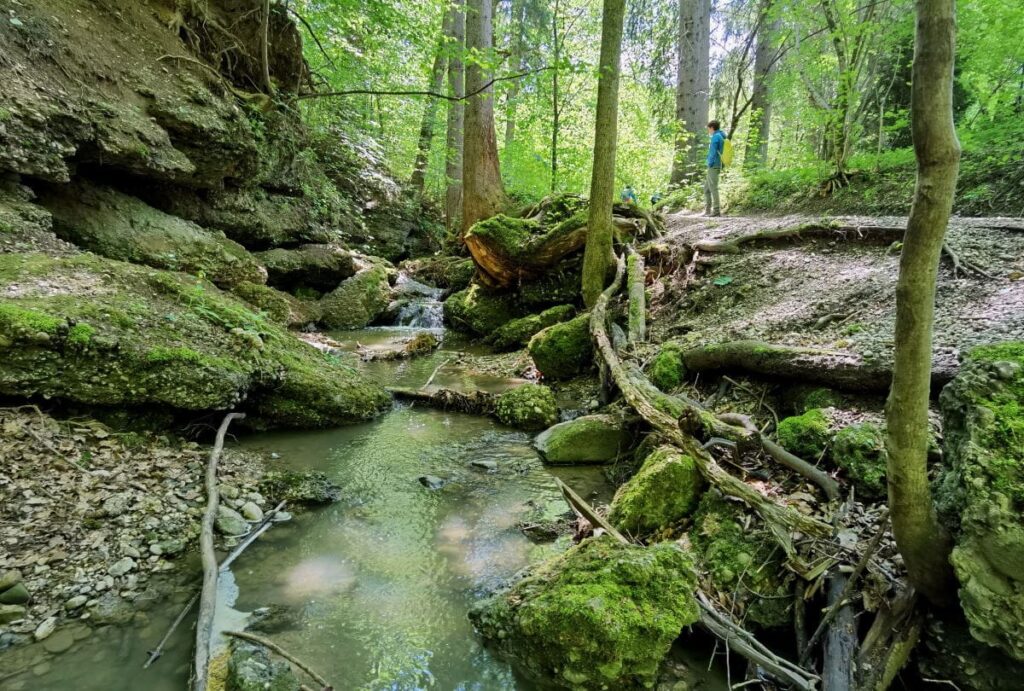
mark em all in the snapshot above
pixel 588 512
pixel 208 595
pixel 475 402
pixel 781 520
pixel 835 369
pixel 637 298
pixel 274 647
pixel 840 638
pixel 264 526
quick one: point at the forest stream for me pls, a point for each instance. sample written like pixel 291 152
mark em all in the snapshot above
pixel 374 589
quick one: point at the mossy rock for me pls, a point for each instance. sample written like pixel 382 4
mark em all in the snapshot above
pixel 667 370
pixel 564 350
pixel 742 561
pixel 102 332
pixel 480 312
pixel 358 301
pixel 279 306
pixel 518 332
pixel 804 398
pixel 250 668
pixel 806 435
pixel 665 491
pixel 318 266
pixel 311 487
pixel 981 491
pixel 529 407
pixel 859 449
pixel 602 615
pixel 448 272
pixel 587 439
pixel 559 284
pixel 118 226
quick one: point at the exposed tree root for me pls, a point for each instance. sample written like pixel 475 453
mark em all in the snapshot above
pixel 781 520
pixel 889 642
pixel 835 369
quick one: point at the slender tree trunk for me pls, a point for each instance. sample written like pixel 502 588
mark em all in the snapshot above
pixel 419 168
pixel 456 118
pixel 597 257
pixel 482 193
pixel 922 541
pixel 519 59
pixel 692 85
pixel 268 84
pixel 556 44
pixel 760 98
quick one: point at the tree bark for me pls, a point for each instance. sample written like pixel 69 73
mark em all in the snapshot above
pixel 268 84
pixel 692 84
pixel 556 46
pixel 760 99
pixel 419 168
pixel 597 257
pixel 483 195
pixel 519 59
pixel 921 539
pixel 456 117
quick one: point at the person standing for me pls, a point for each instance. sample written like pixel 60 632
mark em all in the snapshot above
pixel 712 205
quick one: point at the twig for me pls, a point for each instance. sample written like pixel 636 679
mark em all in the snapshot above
pixel 588 512
pixel 432 94
pixel 798 465
pixel 312 33
pixel 208 594
pixel 270 645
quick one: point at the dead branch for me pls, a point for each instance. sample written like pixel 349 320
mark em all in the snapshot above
pixel 804 231
pixel 274 647
pixel 584 509
pixel 475 402
pixel 889 642
pixel 798 465
pixel 208 596
pixel 432 94
pixel 637 298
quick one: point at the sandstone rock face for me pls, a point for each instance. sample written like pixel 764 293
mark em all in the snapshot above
pixel 981 492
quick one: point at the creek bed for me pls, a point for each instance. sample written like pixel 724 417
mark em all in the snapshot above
pixel 371 591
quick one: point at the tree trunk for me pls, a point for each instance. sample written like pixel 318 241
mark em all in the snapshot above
pixel 268 84
pixel 456 117
pixel 556 46
pixel 597 258
pixel 519 59
pixel 419 168
pixel 760 98
pixel 692 84
pixel 482 193
pixel 921 539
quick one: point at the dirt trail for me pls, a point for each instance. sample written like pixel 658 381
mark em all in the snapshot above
pixel 781 292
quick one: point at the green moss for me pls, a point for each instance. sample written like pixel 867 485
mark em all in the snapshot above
pixel 564 350
pixel 358 301
pixel 587 439
pixel 518 332
pixel 529 407
pixel 859 449
pixel 478 311
pixel 664 492
pixel 667 370
pixel 277 305
pixel 79 335
pixel 602 615
pixel 743 562
pixel 19 321
pixel 806 435
pixel 820 398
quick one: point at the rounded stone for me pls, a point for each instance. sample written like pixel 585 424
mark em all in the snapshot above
pixel 59 642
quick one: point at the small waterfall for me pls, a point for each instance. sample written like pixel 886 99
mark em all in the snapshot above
pixel 419 304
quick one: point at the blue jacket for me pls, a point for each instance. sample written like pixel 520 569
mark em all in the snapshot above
pixel 715 149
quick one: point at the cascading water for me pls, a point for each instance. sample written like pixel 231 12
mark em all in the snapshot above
pixel 418 305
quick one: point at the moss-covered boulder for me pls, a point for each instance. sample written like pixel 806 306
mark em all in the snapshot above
pixel 859 449
pixel 564 350
pixel 806 435
pixel 601 616
pixel 518 332
pixel 529 407
pixel 279 306
pixel 478 311
pixel 665 490
pixel 98 331
pixel 667 370
pixel 358 301
pixel 118 226
pixel 250 668
pixel 443 271
pixel 982 491
pixel 742 561
pixel 587 439
pixel 320 267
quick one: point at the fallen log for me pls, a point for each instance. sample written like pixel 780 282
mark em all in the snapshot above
pixel 781 520
pixel 475 402
pixel 637 298
pixel 835 369
pixel 208 594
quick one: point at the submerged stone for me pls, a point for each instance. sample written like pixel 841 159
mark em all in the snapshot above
pixel 478 311
pixel 665 490
pixel 358 301
pixel 564 350
pixel 601 615
pixel 981 492
pixel 311 487
pixel 529 407
pixel 250 668
pixel 432 481
pixel 587 439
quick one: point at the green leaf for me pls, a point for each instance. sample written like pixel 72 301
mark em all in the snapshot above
pixel 723 280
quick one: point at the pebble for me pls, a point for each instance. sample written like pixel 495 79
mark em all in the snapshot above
pixel 9 579
pixel 230 522
pixel 431 481
pixel 76 602
pixel 132 552
pixel 59 642
pixel 228 491
pixel 117 504
pixel 251 512
pixel 44 630
pixel 9 613
pixel 16 595
pixel 121 567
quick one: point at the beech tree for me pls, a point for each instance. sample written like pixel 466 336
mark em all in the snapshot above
pixel 692 85
pixel 922 540
pixel 598 254
pixel 456 116
pixel 483 195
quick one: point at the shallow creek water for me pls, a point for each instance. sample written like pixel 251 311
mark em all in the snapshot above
pixel 372 591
